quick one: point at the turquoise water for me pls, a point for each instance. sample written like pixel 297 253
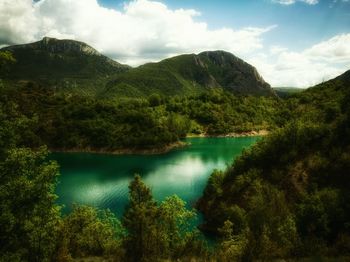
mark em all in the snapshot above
pixel 102 180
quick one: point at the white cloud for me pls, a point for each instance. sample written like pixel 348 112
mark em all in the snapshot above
pixel 334 50
pixel 290 2
pixel 274 50
pixel 141 31
pixel 313 65
pixel 18 22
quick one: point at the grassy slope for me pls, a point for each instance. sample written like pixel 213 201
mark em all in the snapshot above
pixel 190 74
pixel 176 76
pixel 72 72
pixel 75 67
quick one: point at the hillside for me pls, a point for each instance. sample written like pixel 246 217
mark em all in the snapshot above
pixel 66 64
pixel 70 120
pixel 285 92
pixel 190 74
pixel 288 195
pixel 76 67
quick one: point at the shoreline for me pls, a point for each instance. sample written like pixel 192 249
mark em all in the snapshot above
pixel 126 151
pixel 156 151
pixel 262 132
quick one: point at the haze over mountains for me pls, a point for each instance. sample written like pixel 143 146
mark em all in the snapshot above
pixel 75 66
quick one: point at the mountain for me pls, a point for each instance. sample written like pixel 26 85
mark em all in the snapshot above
pixel 340 84
pixel 77 67
pixel 62 63
pixel 188 74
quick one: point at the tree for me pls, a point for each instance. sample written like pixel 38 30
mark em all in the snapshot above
pixel 140 222
pixel 6 59
pixel 231 247
pixel 87 231
pixel 175 221
pixel 154 100
pixel 28 215
pixel 158 232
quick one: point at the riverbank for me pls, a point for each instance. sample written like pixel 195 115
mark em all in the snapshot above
pixel 157 150
pixel 262 132
pixel 126 151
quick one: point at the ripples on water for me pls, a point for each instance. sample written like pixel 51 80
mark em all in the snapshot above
pixel 102 180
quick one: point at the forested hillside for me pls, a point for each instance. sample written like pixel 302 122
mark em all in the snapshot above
pixel 288 195
pixel 80 100
pixel 73 67
pixel 66 65
pixel 191 74
pixel 76 122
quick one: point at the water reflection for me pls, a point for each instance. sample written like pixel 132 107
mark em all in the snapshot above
pixel 102 180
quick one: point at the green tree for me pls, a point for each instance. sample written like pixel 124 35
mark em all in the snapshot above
pixel 29 217
pixel 154 100
pixel 6 59
pixel 231 247
pixel 87 231
pixel 140 220
pixel 175 222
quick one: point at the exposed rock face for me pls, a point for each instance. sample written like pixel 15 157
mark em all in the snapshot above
pixel 234 74
pixel 191 73
pixel 56 62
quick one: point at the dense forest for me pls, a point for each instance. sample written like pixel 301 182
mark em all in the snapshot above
pixel 75 122
pixel 286 197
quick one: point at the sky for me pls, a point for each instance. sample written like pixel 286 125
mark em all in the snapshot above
pixel 292 43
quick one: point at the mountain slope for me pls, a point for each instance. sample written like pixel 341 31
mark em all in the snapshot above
pixel 62 63
pixel 188 74
pixel 76 67
pixel 291 190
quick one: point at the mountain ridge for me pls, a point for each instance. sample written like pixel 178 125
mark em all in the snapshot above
pixel 74 66
pixel 190 73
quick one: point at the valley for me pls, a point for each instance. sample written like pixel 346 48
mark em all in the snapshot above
pixel 281 195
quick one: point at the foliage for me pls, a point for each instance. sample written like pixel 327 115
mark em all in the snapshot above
pixel 288 196
pixel 189 74
pixel 291 188
pixel 68 122
pixel 87 231
pixel 6 59
pixel 29 218
pixel 156 231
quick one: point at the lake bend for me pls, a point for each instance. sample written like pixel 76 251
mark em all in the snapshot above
pixel 101 180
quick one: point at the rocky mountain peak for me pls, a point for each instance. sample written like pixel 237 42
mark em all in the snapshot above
pixel 57 46
pixel 236 74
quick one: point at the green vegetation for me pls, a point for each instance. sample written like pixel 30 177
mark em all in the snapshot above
pixel 190 75
pixel 288 195
pixel 74 122
pixel 78 99
pixel 32 228
pixel 73 67
pixel 285 92
pixel 67 65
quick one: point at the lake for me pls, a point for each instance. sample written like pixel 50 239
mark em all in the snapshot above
pixel 102 180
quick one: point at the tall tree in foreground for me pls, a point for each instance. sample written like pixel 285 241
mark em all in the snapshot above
pixel 159 232
pixel 88 231
pixel 28 215
pixel 140 222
